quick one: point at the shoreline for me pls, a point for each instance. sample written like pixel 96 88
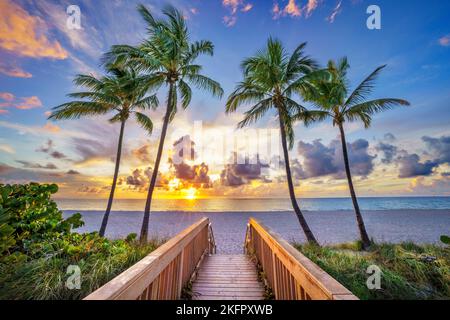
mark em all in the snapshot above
pixel 330 227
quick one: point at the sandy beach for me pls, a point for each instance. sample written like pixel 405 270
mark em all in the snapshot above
pixel 420 226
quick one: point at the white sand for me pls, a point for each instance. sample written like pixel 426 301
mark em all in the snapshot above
pixel 421 226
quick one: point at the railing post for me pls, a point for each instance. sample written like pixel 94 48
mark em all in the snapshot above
pixel 275 282
pixel 180 275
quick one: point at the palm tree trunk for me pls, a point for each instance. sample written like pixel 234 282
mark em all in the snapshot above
pixel 113 187
pixel 362 228
pixel 308 233
pixel 146 220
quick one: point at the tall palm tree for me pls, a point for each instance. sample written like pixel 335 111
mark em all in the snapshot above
pixel 121 92
pixel 271 78
pixel 332 98
pixel 168 58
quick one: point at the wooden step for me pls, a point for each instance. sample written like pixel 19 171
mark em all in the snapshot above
pixel 227 277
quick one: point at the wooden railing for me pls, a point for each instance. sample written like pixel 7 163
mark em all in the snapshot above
pixel 289 273
pixel 163 273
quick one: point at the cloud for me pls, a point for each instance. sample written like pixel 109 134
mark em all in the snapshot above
pixel 29 103
pixel 33 165
pixel 72 172
pixel 445 41
pixel 389 151
pixel 48 148
pixel 26 35
pixel 7 148
pixel 336 11
pixel 234 6
pixel 320 160
pixel 439 148
pixel 14 71
pixel 25 103
pixel 241 172
pixel 411 166
pixel 291 9
pixel 424 186
pixel 311 6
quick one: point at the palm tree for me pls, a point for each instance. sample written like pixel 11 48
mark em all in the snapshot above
pixel 168 58
pixel 271 78
pixel 122 92
pixel 331 97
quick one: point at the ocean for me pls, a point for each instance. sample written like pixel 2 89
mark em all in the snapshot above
pixel 260 205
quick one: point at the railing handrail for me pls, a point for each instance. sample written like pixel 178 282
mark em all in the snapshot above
pixel 306 273
pixel 211 240
pixel 131 283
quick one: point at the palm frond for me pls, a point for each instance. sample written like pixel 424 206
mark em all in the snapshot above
pixel 364 88
pixel 205 83
pixel 150 102
pixel 185 92
pixel 145 122
pixel 78 109
pixel 255 113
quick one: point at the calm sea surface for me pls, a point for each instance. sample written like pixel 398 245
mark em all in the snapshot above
pixel 247 205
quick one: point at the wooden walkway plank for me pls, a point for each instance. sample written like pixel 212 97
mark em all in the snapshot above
pixel 227 277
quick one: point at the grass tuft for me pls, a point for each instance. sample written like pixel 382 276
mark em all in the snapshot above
pixel 409 271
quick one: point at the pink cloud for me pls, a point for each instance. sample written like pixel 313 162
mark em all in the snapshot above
pixel 311 6
pixel 29 103
pixel 14 71
pixel 337 10
pixel 7 96
pixel 445 41
pixel 234 6
pixel 291 9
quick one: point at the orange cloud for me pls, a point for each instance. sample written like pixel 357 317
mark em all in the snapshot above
pixel 29 103
pixel 14 71
pixel 51 128
pixel 25 35
pixel 291 9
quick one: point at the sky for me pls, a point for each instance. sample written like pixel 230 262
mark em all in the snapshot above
pixel 406 152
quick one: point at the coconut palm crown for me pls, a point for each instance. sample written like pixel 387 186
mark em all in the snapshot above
pixel 122 93
pixel 167 58
pixel 271 80
pixel 335 101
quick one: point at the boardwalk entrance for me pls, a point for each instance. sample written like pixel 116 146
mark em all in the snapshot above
pixel 189 260
pixel 227 277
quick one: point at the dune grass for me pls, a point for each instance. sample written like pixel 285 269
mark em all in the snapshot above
pixel 409 271
pixel 45 278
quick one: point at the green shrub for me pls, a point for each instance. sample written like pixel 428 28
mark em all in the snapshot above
pixel 37 245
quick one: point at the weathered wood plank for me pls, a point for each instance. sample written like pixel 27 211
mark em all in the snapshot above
pixel 231 277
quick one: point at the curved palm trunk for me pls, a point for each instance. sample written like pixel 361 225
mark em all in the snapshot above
pixel 362 228
pixel 146 220
pixel 308 233
pixel 113 187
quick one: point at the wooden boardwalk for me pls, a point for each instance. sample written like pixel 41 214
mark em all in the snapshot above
pixel 227 277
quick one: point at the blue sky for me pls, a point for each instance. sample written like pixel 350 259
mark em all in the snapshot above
pixel 38 62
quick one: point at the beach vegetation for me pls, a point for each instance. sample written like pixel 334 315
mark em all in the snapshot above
pixel 332 96
pixel 167 58
pixel 123 92
pixel 39 248
pixel 408 271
